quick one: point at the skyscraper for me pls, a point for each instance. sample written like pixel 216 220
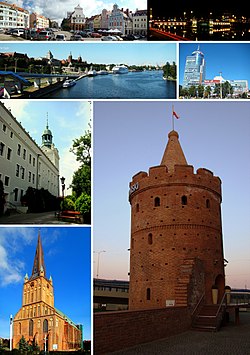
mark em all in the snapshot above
pixel 195 69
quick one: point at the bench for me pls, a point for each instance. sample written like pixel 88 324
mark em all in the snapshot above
pixel 70 215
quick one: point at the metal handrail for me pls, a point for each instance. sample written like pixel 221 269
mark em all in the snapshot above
pixel 198 304
pixel 220 306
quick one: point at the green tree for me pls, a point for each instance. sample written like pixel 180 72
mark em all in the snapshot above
pixel 23 344
pixel 200 90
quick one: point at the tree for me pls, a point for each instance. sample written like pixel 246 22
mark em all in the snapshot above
pixel 23 344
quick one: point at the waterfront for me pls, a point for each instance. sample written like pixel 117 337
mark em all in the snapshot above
pixel 133 85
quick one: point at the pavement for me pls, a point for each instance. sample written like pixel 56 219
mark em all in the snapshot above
pixel 229 340
pixel 32 218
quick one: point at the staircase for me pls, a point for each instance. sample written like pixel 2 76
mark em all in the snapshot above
pixel 209 318
pixel 181 289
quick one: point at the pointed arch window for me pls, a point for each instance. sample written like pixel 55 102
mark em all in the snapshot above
pixel 45 326
pixel 30 327
pixel 157 202
pixel 184 200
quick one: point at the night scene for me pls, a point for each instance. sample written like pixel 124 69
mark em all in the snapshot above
pixel 213 21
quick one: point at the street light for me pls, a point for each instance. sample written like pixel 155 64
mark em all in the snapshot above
pixel 63 185
pixel 98 261
pixel 11 331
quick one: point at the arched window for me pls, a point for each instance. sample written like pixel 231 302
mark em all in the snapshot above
pixel 207 203
pixel 157 201
pixel 184 200
pixel 150 238
pixel 148 294
pixel 30 327
pixel 19 328
pixel 45 326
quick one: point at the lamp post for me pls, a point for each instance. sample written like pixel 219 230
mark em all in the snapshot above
pixel 98 261
pixel 63 185
pixel 11 331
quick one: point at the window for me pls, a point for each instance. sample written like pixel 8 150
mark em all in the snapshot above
pixel 34 161
pixel 6 180
pixel 157 201
pixel 45 326
pixel 148 294
pixel 22 172
pixel 24 154
pixel 30 327
pixel 207 203
pixel 11 134
pixel 17 170
pixel 137 208
pixel 4 128
pixel 33 178
pixel 184 200
pixel 19 328
pixel 29 176
pixel 30 158
pixel 19 149
pixel 9 153
pixel 15 194
pixel 150 239
pixel 2 145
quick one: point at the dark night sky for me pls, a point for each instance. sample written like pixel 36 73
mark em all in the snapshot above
pixel 176 8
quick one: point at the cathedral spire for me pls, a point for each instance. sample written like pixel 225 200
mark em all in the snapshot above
pixel 173 154
pixel 38 266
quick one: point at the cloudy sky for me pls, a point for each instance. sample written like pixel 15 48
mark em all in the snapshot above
pixel 68 120
pixel 90 7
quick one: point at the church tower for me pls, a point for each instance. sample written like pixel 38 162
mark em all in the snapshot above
pixel 48 146
pixel 176 251
pixel 38 321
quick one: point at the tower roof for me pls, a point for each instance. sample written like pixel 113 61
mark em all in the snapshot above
pixel 173 154
pixel 38 266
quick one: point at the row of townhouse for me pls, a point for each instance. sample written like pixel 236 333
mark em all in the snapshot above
pixel 13 16
pixel 123 20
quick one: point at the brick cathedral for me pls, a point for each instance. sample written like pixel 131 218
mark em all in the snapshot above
pixel 176 251
pixel 38 320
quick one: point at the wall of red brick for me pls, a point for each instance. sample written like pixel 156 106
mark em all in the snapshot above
pixel 119 330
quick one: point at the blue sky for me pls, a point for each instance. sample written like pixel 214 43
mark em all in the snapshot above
pixel 232 59
pixel 106 53
pixel 90 7
pixel 68 120
pixel 67 260
pixel 131 136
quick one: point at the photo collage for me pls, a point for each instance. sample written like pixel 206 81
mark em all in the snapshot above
pixel 124 189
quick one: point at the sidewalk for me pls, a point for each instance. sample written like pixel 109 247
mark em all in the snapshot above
pixel 32 218
pixel 230 340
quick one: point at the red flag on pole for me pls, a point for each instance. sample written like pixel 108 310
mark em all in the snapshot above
pixel 175 114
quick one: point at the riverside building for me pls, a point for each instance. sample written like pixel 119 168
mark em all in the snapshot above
pixel 23 163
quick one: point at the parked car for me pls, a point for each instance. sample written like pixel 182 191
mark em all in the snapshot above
pixel 17 32
pixel 109 38
pixel 60 37
pixel 76 38
pixel 30 34
pixel 95 35
pixel 46 36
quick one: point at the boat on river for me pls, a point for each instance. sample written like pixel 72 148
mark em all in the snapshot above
pixel 102 72
pixel 120 69
pixel 68 83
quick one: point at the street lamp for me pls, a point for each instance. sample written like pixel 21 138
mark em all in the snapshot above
pixel 63 185
pixel 98 261
pixel 11 331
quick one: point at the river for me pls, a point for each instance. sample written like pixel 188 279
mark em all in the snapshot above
pixel 133 85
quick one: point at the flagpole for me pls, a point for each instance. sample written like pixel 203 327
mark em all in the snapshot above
pixel 173 117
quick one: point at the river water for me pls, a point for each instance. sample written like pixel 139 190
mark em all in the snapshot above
pixel 133 85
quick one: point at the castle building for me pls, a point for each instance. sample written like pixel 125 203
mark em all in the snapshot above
pixel 38 320
pixel 23 163
pixel 176 251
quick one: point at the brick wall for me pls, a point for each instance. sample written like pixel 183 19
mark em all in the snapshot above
pixel 119 330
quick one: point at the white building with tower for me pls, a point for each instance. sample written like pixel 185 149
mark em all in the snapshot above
pixel 23 163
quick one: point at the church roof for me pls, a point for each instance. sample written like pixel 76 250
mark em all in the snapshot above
pixel 38 265
pixel 66 318
pixel 173 154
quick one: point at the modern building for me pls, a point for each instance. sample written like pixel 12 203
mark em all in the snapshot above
pixel 239 87
pixel 38 21
pixel 77 19
pixel 195 69
pixel 140 22
pixel 110 295
pixel 23 163
pixel 13 16
pixel 38 321
pixel 176 249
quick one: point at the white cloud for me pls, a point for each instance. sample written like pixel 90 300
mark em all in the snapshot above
pixel 11 267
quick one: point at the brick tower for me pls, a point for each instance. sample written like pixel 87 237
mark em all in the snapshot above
pixel 176 251
pixel 38 321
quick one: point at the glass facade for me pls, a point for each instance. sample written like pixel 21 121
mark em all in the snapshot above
pixel 194 73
